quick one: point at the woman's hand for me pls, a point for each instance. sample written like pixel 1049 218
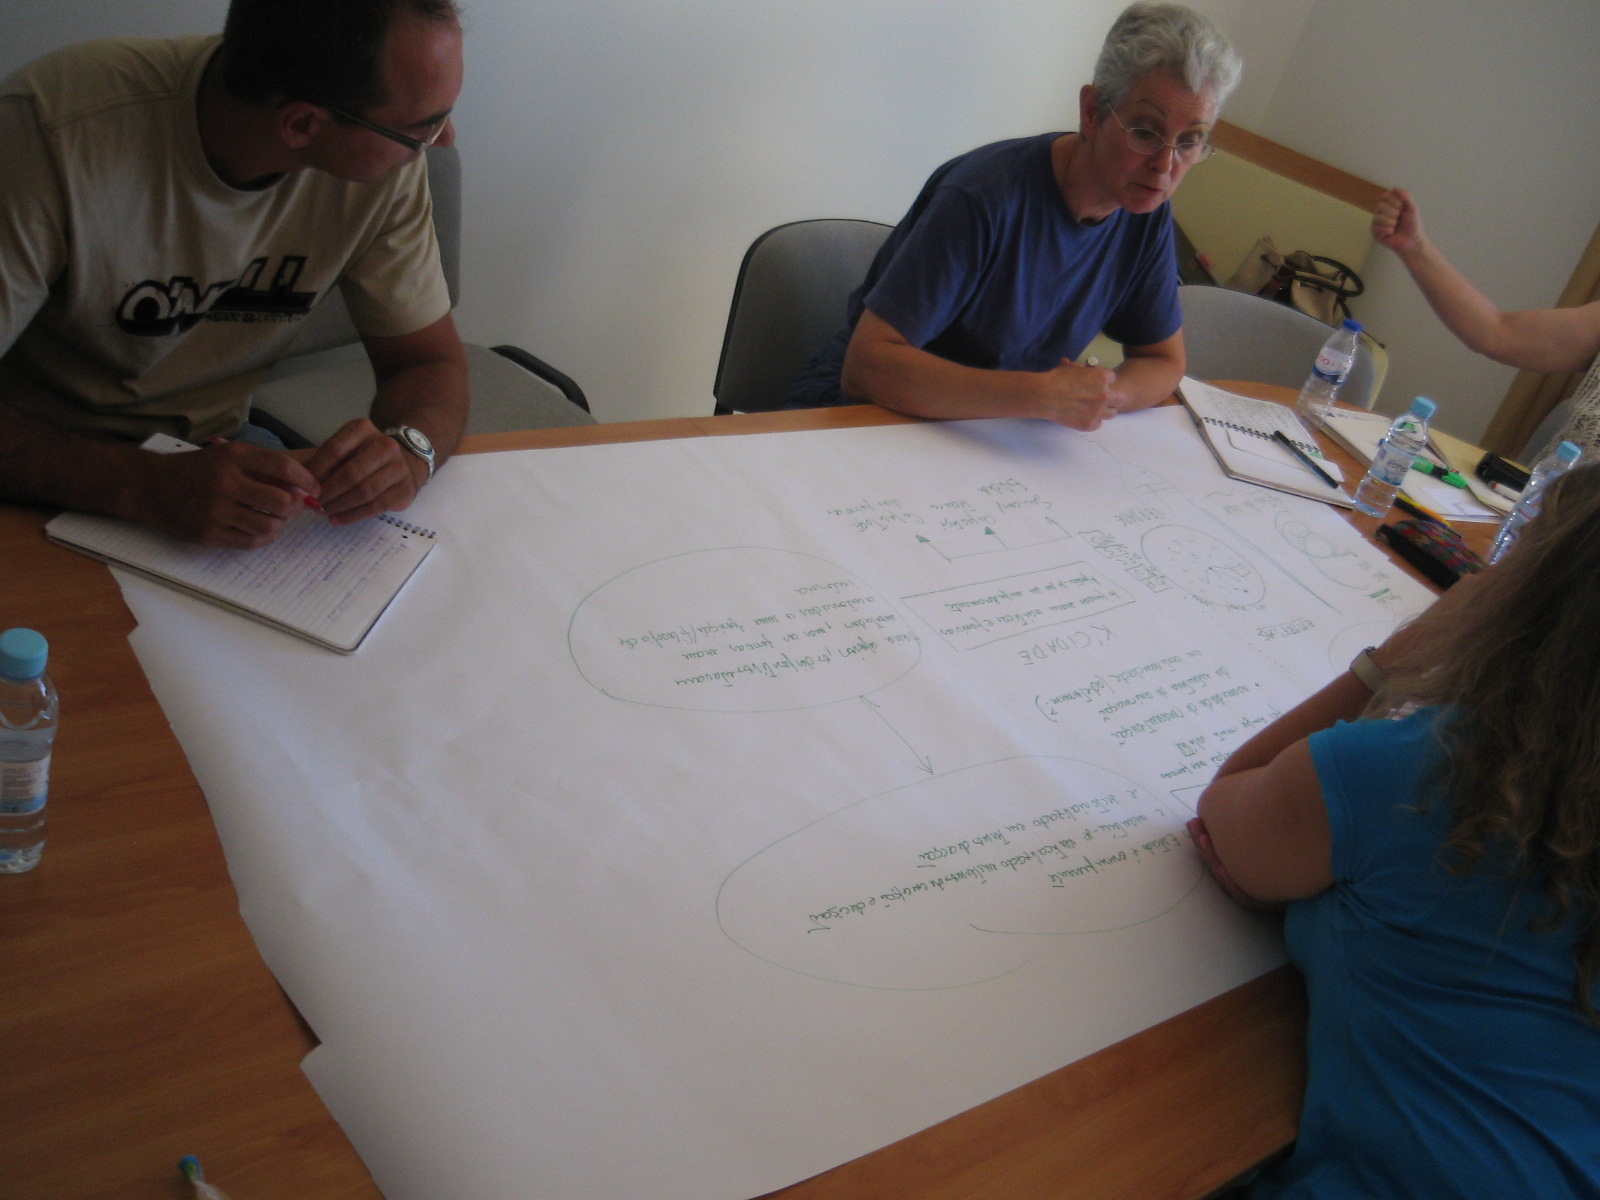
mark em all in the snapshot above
pixel 1202 841
pixel 1396 223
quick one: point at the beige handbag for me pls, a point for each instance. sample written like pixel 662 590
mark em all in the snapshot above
pixel 1318 286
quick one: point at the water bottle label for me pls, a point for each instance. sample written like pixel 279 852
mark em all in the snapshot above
pixel 23 786
pixel 1330 368
pixel 1393 462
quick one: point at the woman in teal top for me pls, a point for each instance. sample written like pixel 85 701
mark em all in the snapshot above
pixel 1438 846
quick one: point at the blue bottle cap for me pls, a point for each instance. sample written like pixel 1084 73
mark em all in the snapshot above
pixel 1352 326
pixel 1569 452
pixel 1424 408
pixel 23 654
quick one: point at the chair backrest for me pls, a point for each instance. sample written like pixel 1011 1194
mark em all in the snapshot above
pixel 1235 335
pixel 789 299
pixel 329 324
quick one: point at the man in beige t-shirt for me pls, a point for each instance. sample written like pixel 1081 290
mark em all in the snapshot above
pixel 171 212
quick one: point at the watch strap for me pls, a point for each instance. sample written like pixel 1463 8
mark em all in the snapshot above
pixel 1365 668
pixel 399 432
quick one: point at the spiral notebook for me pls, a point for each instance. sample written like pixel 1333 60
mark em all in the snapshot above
pixel 1239 431
pixel 326 583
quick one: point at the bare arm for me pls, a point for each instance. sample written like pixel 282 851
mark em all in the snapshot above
pixel 1263 825
pixel 422 382
pixel 882 367
pixel 1537 339
pixel 234 495
pixel 1149 374
pixel 238 495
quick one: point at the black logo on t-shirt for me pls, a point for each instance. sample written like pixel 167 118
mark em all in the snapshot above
pixel 155 309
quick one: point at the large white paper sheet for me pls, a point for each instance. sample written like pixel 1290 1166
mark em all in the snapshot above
pixel 707 813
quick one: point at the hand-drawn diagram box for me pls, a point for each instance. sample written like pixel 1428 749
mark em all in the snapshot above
pixel 976 614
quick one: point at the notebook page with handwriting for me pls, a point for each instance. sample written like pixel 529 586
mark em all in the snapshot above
pixel 319 581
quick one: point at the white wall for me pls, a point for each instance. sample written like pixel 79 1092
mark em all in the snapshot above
pixel 1490 113
pixel 621 154
pixel 638 149
pixel 1265 33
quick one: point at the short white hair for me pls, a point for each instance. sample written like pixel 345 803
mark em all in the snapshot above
pixel 1170 37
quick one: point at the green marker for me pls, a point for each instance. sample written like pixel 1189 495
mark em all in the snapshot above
pixel 1428 467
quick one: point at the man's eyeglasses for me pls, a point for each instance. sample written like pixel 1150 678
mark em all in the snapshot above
pixel 1188 149
pixel 415 145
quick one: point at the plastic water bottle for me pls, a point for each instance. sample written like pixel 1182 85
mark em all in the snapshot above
pixel 1407 437
pixel 1558 462
pixel 28 710
pixel 1328 373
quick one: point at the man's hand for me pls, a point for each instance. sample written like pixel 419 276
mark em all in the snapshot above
pixel 1396 223
pixel 231 495
pixel 1081 397
pixel 364 472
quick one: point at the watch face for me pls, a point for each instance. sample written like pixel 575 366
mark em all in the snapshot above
pixel 417 440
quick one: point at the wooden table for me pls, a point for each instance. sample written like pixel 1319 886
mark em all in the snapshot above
pixel 138 1023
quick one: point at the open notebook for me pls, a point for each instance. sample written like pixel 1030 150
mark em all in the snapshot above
pixel 327 583
pixel 1239 431
pixel 1360 432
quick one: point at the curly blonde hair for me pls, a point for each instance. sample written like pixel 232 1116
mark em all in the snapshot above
pixel 1518 672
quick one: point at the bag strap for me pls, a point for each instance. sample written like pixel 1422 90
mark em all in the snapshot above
pixel 1344 283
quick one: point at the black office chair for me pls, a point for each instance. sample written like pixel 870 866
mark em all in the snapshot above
pixel 788 300
pixel 327 380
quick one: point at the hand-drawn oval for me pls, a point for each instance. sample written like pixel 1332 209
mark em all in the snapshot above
pixel 1207 569
pixel 743 629
pixel 961 878
pixel 1336 563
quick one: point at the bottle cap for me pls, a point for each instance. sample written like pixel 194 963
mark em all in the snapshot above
pixel 1569 452
pixel 1424 408
pixel 1352 326
pixel 23 654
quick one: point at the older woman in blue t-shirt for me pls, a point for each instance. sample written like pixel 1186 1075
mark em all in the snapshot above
pixel 1438 846
pixel 1017 254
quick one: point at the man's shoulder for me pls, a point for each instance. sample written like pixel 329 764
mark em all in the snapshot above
pixel 87 78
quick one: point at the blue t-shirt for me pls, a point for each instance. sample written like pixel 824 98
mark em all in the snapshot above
pixel 990 269
pixel 1446 1059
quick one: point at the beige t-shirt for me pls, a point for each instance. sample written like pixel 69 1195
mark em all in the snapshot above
pixel 139 293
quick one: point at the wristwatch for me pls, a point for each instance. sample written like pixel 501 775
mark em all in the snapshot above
pixel 414 440
pixel 1366 669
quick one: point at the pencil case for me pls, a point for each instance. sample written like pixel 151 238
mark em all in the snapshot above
pixel 1434 549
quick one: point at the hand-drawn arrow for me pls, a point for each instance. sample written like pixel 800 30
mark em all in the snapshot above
pixel 922 760
pixel 990 533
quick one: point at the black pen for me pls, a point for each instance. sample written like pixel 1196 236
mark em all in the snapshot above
pixel 1278 436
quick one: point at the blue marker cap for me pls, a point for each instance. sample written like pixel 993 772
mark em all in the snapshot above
pixel 23 654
